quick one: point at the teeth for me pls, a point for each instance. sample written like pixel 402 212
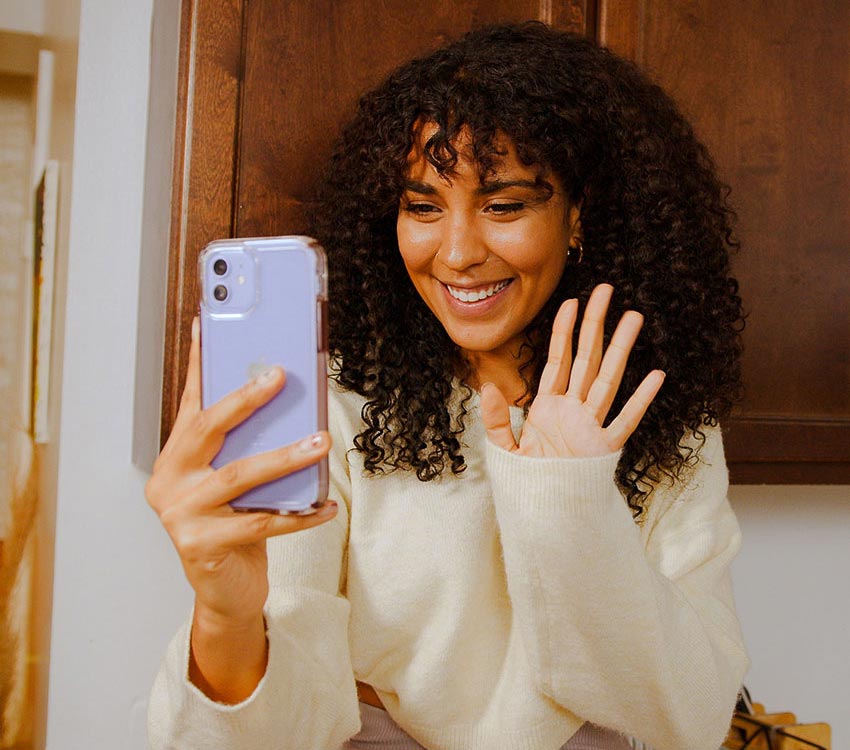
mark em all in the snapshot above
pixel 465 296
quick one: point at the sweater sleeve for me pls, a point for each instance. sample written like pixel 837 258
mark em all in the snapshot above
pixel 633 628
pixel 307 697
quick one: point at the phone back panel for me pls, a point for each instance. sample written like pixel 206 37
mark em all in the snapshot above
pixel 270 313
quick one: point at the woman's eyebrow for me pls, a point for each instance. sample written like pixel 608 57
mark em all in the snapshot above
pixel 423 188
pixel 488 188
pixel 494 186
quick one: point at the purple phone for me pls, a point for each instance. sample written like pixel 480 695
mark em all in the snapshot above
pixel 263 303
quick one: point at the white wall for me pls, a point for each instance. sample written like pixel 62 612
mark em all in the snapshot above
pixel 118 589
pixel 793 595
pixel 118 592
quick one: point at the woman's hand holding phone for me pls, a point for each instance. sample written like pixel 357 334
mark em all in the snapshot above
pixel 223 552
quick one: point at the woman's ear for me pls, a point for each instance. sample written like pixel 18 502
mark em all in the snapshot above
pixel 575 246
pixel 574 224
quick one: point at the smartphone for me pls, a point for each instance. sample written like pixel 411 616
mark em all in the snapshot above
pixel 264 303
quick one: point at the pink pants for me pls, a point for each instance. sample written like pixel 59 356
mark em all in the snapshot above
pixel 380 732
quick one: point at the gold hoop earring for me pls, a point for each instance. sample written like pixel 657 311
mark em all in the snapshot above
pixel 579 247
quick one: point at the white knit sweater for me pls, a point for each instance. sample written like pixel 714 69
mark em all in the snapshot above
pixel 494 610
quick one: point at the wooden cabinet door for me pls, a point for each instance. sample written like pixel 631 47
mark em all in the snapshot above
pixel 263 88
pixel 766 85
pixel 265 84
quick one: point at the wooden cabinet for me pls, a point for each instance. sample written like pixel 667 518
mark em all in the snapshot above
pixel 766 84
pixel 265 84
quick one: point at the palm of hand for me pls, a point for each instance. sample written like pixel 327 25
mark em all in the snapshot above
pixel 562 426
pixel 573 399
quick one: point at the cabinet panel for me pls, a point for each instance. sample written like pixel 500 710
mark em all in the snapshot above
pixel 765 83
pixel 305 65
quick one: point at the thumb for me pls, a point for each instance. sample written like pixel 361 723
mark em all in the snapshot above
pixel 497 417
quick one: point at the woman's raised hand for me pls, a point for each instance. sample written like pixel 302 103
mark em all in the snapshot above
pixel 566 417
pixel 224 552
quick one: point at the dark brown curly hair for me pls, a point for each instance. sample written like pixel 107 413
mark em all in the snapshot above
pixel 655 225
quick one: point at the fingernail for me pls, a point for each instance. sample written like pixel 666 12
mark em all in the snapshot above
pixel 196 327
pixel 485 386
pixel 327 509
pixel 265 376
pixel 310 444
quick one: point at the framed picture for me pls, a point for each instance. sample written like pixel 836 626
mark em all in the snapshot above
pixel 44 264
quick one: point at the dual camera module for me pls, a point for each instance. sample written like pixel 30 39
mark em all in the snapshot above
pixel 220 269
pixel 229 281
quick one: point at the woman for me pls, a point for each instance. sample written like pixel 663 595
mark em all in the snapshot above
pixel 532 540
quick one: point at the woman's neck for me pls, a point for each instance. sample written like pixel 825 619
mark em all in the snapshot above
pixel 499 368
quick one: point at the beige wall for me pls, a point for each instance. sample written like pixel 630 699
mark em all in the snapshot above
pixel 23 16
pixel 60 35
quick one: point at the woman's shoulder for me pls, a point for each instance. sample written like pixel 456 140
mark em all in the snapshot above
pixel 701 485
pixel 704 448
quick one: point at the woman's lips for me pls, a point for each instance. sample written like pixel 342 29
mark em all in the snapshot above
pixel 475 299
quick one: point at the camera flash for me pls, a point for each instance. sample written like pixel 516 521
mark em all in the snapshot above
pixel 240 280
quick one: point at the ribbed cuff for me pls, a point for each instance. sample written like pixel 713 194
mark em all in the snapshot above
pixel 577 487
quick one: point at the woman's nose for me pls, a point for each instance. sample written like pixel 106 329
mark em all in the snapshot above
pixel 461 245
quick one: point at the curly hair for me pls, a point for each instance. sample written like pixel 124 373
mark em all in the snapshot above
pixel 655 223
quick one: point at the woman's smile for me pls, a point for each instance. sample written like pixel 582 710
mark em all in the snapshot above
pixel 477 299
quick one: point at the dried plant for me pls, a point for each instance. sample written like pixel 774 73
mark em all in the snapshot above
pixel 22 505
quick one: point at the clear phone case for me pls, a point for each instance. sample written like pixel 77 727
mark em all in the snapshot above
pixel 263 303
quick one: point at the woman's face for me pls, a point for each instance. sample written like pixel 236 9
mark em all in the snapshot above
pixel 484 256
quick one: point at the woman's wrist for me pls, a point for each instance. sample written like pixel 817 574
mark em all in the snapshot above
pixel 227 657
pixel 216 623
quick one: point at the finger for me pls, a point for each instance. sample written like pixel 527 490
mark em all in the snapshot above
pixel 197 437
pixel 619 431
pixel 234 479
pixel 589 349
pixel 190 401
pixel 497 417
pixel 240 404
pixel 199 539
pixel 200 435
pixel 247 528
pixel 607 382
pixel 556 372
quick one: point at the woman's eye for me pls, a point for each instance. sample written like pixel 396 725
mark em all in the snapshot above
pixel 503 209
pixel 421 209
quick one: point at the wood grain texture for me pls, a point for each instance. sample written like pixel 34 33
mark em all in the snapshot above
pixel 760 82
pixel 619 27
pixel 205 158
pixel 578 16
pixel 307 63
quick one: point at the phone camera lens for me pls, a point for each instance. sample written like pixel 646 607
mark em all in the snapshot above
pixel 220 268
pixel 220 293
